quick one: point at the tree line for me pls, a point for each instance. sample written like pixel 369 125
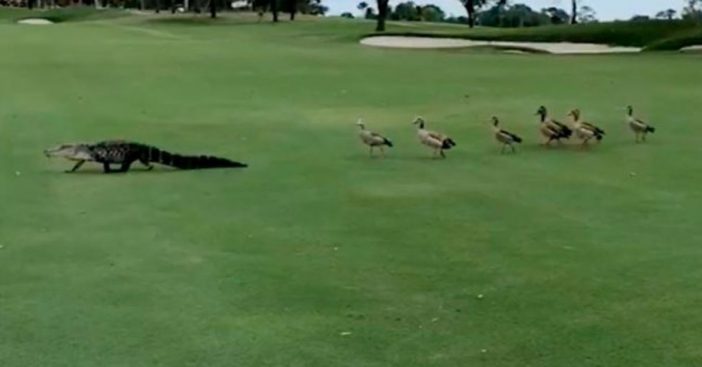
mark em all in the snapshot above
pixel 275 7
pixel 292 7
pixel 503 13
pixel 492 13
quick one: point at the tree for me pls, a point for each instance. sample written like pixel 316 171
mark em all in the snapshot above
pixel 405 11
pixel 347 15
pixel 432 13
pixel 692 11
pixel 587 14
pixel 291 8
pixel 556 15
pixel 314 7
pixel 412 12
pixel 213 9
pixel 491 17
pixel 518 15
pixel 382 15
pixel 258 5
pixel 457 20
pixel 369 13
pixel 472 7
pixel 274 10
pixel 521 15
pixel 574 12
pixel 667 14
pixel 640 18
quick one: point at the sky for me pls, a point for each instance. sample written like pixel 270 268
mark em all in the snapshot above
pixel 606 9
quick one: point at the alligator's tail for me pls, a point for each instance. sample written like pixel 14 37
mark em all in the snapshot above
pixel 156 155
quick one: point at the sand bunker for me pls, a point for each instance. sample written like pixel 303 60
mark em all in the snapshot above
pixel 561 48
pixel 35 21
pixel 696 48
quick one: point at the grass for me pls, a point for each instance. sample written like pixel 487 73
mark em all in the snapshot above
pixel 580 262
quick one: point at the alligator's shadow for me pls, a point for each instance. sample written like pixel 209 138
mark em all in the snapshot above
pixel 135 171
pixel 98 171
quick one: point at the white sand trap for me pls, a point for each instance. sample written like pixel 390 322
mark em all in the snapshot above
pixel 561 48
pixel 696 48
pixel 35 21
pixel 516 52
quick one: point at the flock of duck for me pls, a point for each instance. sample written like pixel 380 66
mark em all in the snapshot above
pixel 549 128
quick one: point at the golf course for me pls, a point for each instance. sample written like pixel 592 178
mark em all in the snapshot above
pixel 317 254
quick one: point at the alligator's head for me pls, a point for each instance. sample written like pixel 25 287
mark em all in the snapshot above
pixel 73 152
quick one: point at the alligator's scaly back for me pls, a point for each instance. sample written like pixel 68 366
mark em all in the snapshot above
pixel 125 153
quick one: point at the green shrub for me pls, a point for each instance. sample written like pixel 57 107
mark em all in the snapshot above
pixel 675 43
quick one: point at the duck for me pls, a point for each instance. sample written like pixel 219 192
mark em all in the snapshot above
pixel 552 129
pixel 504 137
pixel 639 127
pixel 585 130
pixel 439 142
pixel 373 139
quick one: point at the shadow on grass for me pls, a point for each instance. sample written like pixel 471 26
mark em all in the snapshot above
pixel 138 171
pixel 493 49
pixel 396 157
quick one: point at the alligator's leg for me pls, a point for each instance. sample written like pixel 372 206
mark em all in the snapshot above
pixel 106 168
pixel 75 168
pixel 125 166
pixel 146 163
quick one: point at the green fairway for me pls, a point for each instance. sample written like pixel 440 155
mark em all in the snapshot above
pixel 316 255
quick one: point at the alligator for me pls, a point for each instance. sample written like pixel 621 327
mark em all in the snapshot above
pixel 125 153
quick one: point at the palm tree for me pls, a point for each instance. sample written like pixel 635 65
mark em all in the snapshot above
pixel 574 12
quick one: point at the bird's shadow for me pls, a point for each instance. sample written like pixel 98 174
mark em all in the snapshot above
pixel 563 147
pixel 366 158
